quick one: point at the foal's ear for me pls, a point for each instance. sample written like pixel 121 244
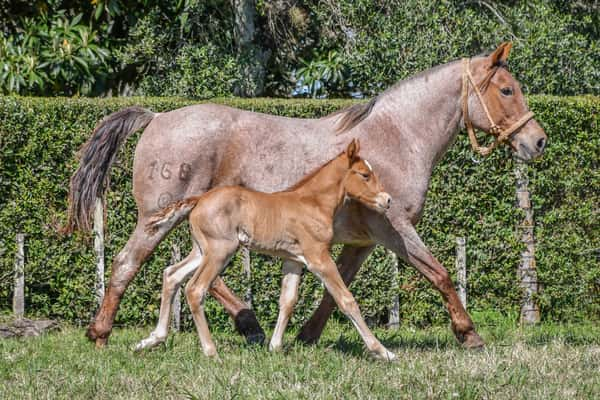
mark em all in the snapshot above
pixel 500 55
pixel 352 150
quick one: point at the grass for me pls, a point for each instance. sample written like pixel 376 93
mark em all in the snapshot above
pixel 544 362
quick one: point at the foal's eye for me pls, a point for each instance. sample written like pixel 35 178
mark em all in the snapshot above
pixel 507 91
pixel 365 176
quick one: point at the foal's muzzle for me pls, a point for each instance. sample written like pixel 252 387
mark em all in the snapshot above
pixel 383 201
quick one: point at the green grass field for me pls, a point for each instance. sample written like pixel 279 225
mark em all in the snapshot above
pixel 544 362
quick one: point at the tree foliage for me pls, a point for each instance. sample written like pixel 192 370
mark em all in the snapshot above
pixel 334 48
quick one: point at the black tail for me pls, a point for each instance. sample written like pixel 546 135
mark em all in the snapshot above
pixel 97 156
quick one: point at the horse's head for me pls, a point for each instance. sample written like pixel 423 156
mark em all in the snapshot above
pixel 361 183
pixel 506 106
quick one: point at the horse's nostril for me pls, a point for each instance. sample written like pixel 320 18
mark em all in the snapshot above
pixel 389 201
pixel 540 144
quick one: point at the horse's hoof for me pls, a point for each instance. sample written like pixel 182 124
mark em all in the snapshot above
pixel 473 341
pixel 255 339
pixel 247 324
pixel 307 338
pixel 101 343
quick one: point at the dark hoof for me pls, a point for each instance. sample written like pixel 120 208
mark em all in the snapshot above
pixel 307 338
pixel 247 325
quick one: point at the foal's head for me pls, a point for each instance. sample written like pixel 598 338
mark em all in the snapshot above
pixel 361 183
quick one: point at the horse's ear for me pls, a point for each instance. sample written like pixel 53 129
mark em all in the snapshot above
pixel 500 55
pixel 352 150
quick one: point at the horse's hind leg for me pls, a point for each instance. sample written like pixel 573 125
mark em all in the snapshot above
pixel 124 268
pixel 173 276
pixel 292 272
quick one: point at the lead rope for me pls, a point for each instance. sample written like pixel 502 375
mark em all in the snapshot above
pixel 501 136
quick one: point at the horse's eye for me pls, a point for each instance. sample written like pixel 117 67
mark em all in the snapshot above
pixel 365 176
pixel 507 91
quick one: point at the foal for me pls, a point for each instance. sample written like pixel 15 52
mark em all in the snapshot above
pixel 296 224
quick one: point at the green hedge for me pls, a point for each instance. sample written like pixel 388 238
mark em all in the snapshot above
pixel 39 138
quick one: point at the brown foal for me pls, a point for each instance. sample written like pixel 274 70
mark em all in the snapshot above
pixel 296 224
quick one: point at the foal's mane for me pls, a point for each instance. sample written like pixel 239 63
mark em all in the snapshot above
pixel 310 175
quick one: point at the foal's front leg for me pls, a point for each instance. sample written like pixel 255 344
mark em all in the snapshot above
pixel 292 273
pixel 325 269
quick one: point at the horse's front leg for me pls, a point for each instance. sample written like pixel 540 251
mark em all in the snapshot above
pixel 400 236
pixel 349 262
pixel 244 318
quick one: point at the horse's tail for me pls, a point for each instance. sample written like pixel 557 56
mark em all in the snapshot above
pixel 97 155
pixel 173 211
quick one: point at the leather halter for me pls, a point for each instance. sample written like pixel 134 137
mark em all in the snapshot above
pixel 501 135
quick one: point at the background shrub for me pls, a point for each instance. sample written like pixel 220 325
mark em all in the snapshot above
pixel 39 138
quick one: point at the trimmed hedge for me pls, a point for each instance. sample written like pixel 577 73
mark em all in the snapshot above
pixel 39 138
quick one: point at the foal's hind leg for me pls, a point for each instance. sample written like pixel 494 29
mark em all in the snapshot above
pixel 216 256
pixel 173 276
pixel 292 272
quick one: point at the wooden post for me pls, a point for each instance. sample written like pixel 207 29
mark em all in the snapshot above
pixel 19 294
pixel 461 269
pixel 530 312
pixel 176 307
pixel 394 317
pixel 248 273
pixel 99 248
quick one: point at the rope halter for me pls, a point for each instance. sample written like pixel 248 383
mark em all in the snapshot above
pixel 501 135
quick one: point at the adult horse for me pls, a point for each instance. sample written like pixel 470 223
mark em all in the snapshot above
pixel 405 131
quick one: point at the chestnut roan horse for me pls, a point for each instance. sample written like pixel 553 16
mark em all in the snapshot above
pixel 296 224
pixel 404 132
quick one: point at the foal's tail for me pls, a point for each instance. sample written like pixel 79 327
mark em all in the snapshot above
pixel 175 210
pixel 97 155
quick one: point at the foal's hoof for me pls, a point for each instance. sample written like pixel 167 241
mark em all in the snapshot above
pixel 472 340
pixel 148 343
pixel 386 355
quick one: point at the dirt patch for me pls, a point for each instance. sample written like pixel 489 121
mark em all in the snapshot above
pixel 27 327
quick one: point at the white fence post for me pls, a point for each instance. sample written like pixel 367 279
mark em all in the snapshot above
pixel 530 312
pixel 99 248
pixel 19 293
pixel 394 317
pixel 245 252
pixel 461 269
pixel 176 307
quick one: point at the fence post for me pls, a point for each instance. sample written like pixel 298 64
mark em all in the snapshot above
pixel 394 317
pixel 176 306
pixel 530 313
pixel 245 253
pixel 461 269
pixel 19 293
pixel 99 248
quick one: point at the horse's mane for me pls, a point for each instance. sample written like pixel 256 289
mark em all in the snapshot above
pixel 310 175
pixel 354 115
